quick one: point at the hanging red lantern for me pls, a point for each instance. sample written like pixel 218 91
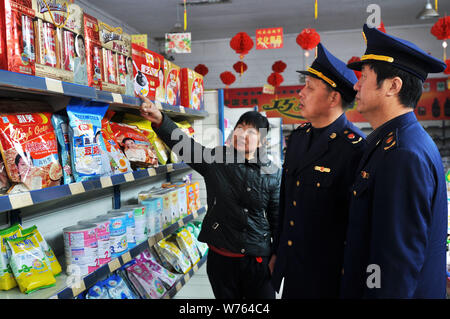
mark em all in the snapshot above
pixel 279 66
pixel 275 79
pixel 447 70
pixel 201 69
pixel 241 43
pixel 240 67
pixel 227 78
pixel 308 39
pixel 355 59
pixel 441 29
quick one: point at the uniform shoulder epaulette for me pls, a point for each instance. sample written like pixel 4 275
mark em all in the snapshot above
pixel 389 141
pixel 351 136
pixel 304 126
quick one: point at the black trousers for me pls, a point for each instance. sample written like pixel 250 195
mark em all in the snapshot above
pixel 239 277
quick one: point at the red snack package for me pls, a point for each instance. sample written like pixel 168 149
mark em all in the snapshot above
pixel 17 51
pixel 93 52
pixel 192 89
pixel 30 150
pixel 135 144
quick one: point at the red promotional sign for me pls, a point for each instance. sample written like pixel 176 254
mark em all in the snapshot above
pixel 433 105
pixel 269 38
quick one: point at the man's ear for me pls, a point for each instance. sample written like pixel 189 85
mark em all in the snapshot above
pixel 335 98
pixel 394 86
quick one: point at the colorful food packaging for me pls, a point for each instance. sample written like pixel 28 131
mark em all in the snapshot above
pixel 29 264
pixel 30 150
pixel 167 277
pixel 154 213
pixel 160 148
pixel 61 126
pixel 4 181
pixel 173 255
pixel 192 95
pixel 172 83
pixel 146 280
pixel 118 161
pixel 7 280
pixel 148 73
pixel 98 291
pixel 135 144
pixel 17 36
pixel 117 288
pixel 89 160
pixel 187 245
pixel 94 56
pixel 60 47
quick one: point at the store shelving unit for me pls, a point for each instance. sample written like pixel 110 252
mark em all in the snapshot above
pixel 69 287
pixel 57 94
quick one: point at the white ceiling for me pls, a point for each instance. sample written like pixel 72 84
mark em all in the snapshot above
pixel 156 17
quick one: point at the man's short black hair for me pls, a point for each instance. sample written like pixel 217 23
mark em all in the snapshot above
pixel 411 90
pixel 345 104
pixel 257 120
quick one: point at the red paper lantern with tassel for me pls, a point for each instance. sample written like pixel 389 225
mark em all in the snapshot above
pixel 240 67
pixel 241 43
pixel 308 39
pixel 227 78
pixel 447 70
pixel 275 79
pixel 279 66
pixel 201 69
pixel 441 29
pixel 355 59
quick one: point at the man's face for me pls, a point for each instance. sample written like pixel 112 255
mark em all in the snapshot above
pixel 246 138
pixel 314 99
pixel 368 94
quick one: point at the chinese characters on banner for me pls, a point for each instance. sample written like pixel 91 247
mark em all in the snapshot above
pixel 433 105
pixel 178 42
pixel 140 39
pixel 269 38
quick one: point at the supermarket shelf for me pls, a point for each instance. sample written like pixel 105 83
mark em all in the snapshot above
pixel 184 279
pixel 24 199
pixel 40 86
pixel 67 288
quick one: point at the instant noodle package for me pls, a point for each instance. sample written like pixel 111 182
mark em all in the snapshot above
pixel 192 89
pixel 30 150
pixel 17 48
pixel 148 73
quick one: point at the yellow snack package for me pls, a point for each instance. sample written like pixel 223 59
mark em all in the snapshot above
pixel 29 264
pixel 55 267
pixel 7 280
pixel 159 146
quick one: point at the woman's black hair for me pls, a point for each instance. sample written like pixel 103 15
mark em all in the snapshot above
pixel 257 120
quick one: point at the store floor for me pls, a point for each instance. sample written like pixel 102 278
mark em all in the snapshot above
pixel 198 287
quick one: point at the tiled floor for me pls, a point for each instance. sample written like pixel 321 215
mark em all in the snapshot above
pixel 198 287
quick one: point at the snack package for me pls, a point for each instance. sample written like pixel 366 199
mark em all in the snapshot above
pixel 160 148
pixel 89 160
pixel 29 264
pixel 172 83
pixel 55 267
pixel 154 212
pixel 61 127
pixel 93 52
pixel 148 280
pixel 194 230
pixel 97 291
pixel 187 245
pixel 4 181
pixel 117 288
pixel 148 73
pixel 173 255
pixel 117 159
pixel 17 36
pixel 30 150
pixel 192 95
pixel 167 277
pixel 135 144
pixel 7 280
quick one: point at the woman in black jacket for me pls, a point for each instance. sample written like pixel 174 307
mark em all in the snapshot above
pixel 243 194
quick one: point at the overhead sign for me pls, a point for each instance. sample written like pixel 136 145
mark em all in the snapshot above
pixel 140 39
pixel 271 38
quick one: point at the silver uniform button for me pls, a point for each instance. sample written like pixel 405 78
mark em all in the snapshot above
pixel 242 250
pixel 245 210
pixel 248 189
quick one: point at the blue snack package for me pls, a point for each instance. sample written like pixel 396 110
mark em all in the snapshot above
pixel 61 125
pixel 117 288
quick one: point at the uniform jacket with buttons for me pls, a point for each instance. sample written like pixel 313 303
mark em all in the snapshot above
pixel 243 196
pixel 398 217
pixel 314 202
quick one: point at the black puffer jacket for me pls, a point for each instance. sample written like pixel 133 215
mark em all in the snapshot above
pixel 243 196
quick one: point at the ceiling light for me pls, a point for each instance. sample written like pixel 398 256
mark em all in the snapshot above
pixel 427 12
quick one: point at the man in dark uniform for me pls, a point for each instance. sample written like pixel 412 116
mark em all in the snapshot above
pixel 319 168
pixel 398 214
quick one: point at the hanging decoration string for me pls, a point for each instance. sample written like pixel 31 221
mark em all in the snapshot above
pixel 51 15
pixel 185 15
pixel 315 10
pixel 436 5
